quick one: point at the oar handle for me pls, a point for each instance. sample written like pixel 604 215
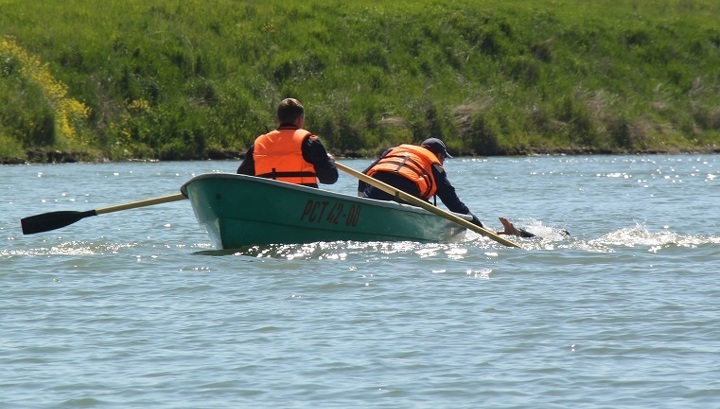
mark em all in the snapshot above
pixel 425 205
pixel 141 203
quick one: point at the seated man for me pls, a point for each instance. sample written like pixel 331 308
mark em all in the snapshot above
pixel 290 153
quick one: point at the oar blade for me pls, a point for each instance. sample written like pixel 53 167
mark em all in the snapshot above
pixel 51 221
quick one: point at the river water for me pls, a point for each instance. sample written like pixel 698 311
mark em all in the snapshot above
pixel 133 310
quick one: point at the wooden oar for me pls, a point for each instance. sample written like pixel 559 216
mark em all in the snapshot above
pixel 399 194
pixel 55 220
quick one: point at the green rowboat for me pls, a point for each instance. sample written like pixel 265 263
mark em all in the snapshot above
pixel 240 211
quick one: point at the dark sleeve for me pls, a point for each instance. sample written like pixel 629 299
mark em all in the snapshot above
pixel 446 193
pixel 314 152
pixel 526 234
pixel 247 166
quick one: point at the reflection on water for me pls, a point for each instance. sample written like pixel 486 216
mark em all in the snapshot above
pixel 122 310
pixel 547 238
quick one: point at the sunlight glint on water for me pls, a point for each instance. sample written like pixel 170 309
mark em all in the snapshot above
pixel 135 309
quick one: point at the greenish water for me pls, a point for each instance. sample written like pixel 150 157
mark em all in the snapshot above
pixel 127 309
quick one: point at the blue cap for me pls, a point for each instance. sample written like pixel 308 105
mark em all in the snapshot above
pixel 436 146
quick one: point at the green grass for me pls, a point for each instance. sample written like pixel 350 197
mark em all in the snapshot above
pixel 190 79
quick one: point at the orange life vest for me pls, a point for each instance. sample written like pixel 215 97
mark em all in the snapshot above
pixel 414 163
pixel 278 155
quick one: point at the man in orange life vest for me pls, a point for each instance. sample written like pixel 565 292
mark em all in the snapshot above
pixel 290 153
pixel 418 170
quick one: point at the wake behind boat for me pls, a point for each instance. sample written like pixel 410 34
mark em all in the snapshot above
pixel 239 211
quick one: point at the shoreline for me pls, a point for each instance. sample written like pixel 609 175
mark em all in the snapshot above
pixel 42 156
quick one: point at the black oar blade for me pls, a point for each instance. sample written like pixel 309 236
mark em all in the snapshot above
pixel 51 221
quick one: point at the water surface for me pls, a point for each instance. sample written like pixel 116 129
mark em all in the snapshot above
pixel 127 309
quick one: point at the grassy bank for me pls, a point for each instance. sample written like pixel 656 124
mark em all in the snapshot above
pixel 191 79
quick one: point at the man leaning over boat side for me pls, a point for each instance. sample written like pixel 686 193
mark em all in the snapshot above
pixel 290 153
pixel 418 171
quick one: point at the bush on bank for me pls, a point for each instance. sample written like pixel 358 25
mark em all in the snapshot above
pixel 199 79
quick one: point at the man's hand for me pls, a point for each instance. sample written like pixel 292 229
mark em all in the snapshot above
pixel 510 229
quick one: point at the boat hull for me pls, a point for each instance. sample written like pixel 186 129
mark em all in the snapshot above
pixel 240 211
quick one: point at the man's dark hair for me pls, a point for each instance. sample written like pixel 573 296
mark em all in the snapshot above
pixel 289 110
